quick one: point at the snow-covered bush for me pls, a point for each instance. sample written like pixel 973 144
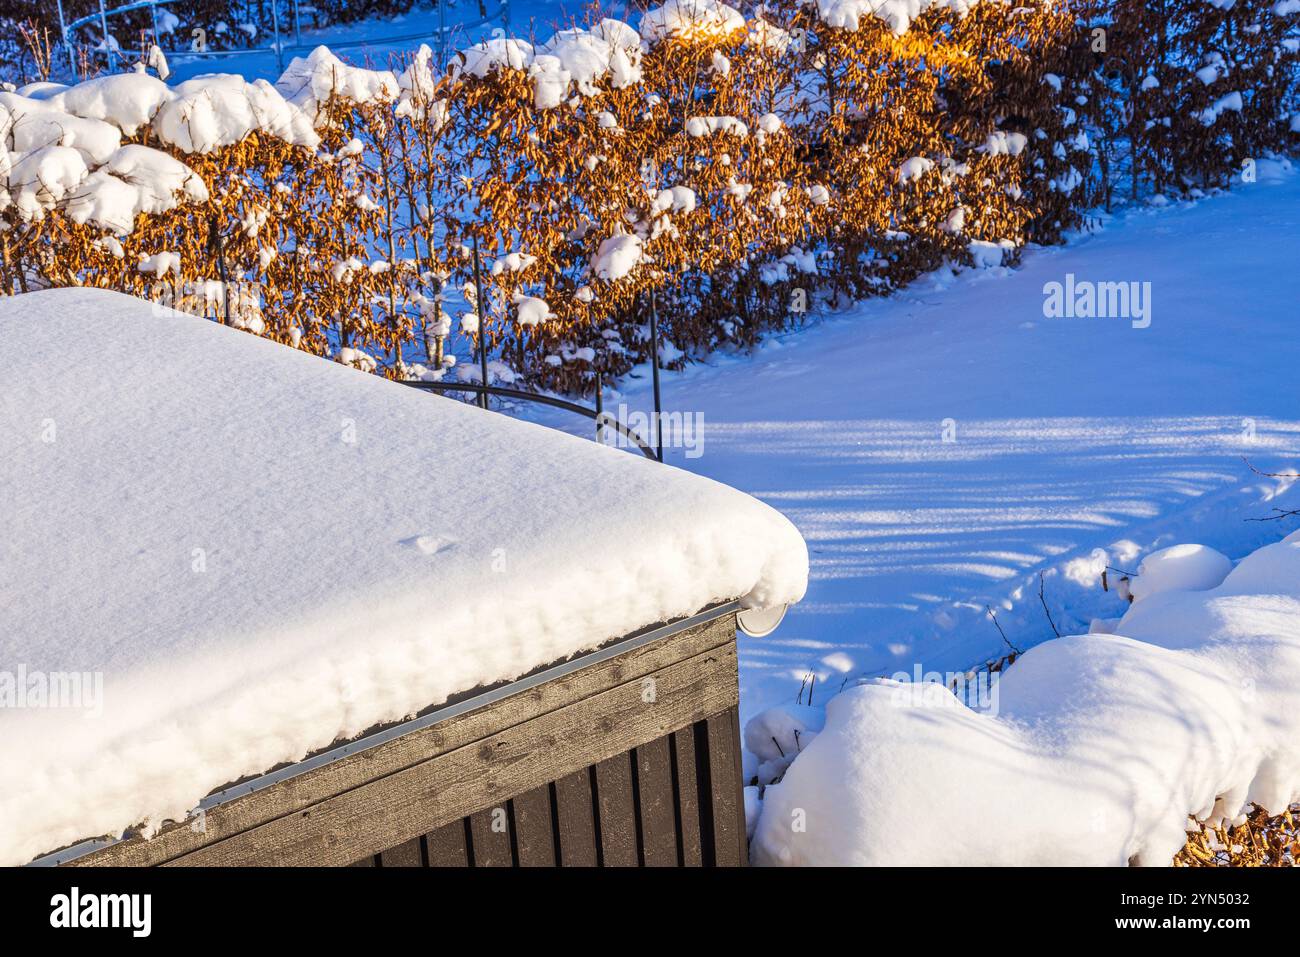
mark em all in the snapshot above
pixel 1197 88
pixel 732 171
pixel 165 191
pixel 1103 749
pixel 736 169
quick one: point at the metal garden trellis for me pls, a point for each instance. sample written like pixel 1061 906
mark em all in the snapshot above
pixel 440 35
pixel 483 389
pixel 602 420
pixel 215 246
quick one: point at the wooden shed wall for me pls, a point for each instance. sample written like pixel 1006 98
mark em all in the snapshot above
pixel 674 801
pixel 622 761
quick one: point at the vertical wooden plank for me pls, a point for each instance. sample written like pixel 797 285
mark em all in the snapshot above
pixel 617 815
pixel 364 862
pixel 534 836
pixel 576 816
pixel 447 847
pixel 406 854
pixel 730 846
pixel 654 780
pixel 688 796
pixel 490 837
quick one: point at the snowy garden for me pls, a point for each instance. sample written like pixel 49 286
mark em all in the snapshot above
pixel 990 309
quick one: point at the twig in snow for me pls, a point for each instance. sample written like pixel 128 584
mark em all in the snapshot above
pixel 778 745
pixel 1125 576
pixel 1046 610
pixel 1290 475
pixel 998 626
pixel 1281 513
pixel 811 687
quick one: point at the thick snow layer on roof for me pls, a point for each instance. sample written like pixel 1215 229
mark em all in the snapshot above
pixel 1099 747
pixel 261 552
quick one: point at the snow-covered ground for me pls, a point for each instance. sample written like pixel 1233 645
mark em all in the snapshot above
pixel 1067 436
pixel 1099 748
pixel 377 39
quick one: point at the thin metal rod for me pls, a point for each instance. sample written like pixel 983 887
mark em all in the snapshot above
pixel 550 400
pixel 216 245
pixel 501 12
pixel 654 369
pixel 297 26
pixel 482 331
pixel 442 33
pixel 275 25
pixel 103 24
pixel 67 44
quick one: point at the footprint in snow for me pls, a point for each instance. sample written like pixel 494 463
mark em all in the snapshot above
pixel 431 544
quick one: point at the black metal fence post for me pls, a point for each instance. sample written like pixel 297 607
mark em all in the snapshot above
pixel 600 410
pixel 654 369
pixel 215 245
pixel 482 332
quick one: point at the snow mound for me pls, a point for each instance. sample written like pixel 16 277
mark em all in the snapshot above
pixel 574 57
pixel 1102 746
pixel 310 82
pixel 700 126
pixel 617 256
pixel 416 85
pixel 775 737
pixel 691 20
pixel 913 168
pixel 129 101
pixel 781 732
pixel 41 179
pixel 236 538
pixel 135 180
pixel 988 255
pixel 29 125
pixel 612 49
pixel 1002 143
pixel 1180 568
pixel 500 53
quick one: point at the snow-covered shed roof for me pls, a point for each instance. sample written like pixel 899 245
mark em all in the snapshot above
pixel 260 552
